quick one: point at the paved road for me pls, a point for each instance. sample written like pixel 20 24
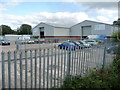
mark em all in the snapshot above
pixel 14 47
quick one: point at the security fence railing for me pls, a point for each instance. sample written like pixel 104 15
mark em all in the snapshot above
pixel 48 67
pixel 37 43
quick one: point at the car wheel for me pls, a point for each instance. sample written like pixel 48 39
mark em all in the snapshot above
pixel 60 47
pixel 66 48
pixel 80 47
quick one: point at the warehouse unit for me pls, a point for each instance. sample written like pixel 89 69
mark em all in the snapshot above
pixel 44 30
pixel 80 30
pixel 88 27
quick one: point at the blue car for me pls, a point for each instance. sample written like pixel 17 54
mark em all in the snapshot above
pixel 67 45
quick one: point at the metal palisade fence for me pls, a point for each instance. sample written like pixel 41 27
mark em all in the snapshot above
pixel 47 68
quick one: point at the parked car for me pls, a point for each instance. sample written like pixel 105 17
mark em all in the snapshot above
pixel 20 42
pixel 112 49
pixel 91 42
pixel 39 40
pixel 80 45
pixel 100 41
pixel 66 45
pixel 4 42
pixel 30 41
pixel 86 45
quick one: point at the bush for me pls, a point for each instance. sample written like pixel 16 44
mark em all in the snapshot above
pixel 97 79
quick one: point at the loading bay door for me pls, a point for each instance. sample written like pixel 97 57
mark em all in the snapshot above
pixel 86 30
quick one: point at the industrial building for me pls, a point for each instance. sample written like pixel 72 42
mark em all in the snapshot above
pixel 83 29
pixel 44 30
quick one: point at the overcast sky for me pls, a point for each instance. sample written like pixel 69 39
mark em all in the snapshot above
pixel 62 13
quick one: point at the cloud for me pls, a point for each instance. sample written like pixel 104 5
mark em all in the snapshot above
pixel 103 12
pixel 60 0
pixel 99 5
pixel 102 18
pixel 107 12
pixel 62 18
pixel 4 5
pixel 66 19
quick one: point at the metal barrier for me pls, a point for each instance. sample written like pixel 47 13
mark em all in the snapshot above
pixel 47 68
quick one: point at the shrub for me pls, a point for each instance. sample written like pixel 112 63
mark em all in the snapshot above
pixel 97 79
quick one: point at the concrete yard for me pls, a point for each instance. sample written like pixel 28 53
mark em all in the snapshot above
pixel 51 64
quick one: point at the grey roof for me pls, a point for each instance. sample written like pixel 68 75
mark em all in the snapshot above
pixel 53 25
pixel 91 21
pixel 96 22
pixel 57 25
pixel 63 26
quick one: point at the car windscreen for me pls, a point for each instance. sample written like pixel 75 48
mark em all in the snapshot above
pixel 80 42
pixel 72 43
pixel 84 42
pixel 77 42
pixel 5 40
pixel 89 41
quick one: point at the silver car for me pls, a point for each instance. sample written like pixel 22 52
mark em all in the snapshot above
pixel 92 42
pixel 87 45
pixel 4 42
pixel 112 49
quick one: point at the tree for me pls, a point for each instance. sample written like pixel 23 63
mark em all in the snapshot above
pixel 116 36
pixel 7 30
pixel 25 29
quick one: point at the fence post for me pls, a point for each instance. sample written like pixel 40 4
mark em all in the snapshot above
pixel 68 63
pixel 104 58
pixel 3 70
pixel 17 45
pixel 104 54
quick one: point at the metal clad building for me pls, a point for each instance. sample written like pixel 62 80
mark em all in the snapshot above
pixel 87 27
pixel 61 31
pixel 44 30
pixel 79 30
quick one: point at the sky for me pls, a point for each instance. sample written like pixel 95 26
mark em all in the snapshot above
pixel 64 13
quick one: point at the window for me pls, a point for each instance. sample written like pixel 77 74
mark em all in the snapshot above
pixel 99 27
pixel 72 43
pixel 77 42
pixel 65 43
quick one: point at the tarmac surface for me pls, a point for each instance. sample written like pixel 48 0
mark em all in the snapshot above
pixel 89 57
